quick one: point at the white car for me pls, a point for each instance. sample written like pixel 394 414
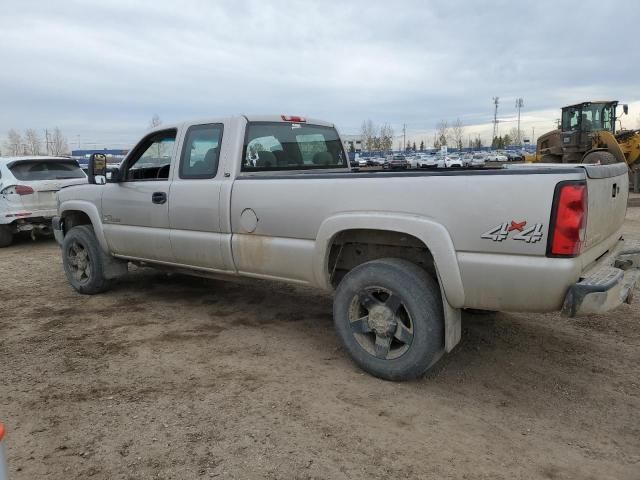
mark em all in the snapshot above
pixel 477 160
pixel 453 161
pixel 496 157
pixel 412 161
pixel 427 161
pixel 28 187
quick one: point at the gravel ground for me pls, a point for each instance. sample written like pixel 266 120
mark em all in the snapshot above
pixel 176 377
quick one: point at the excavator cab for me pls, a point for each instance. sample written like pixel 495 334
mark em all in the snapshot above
pixel 578 124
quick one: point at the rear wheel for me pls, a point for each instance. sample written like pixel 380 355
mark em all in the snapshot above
pixel 6 236
pixel 600 158
pixel 82 260
pixel 388 315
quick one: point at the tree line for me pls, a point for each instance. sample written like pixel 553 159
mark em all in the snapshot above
pixel 31 143
pixel 380 138
pixel 376 138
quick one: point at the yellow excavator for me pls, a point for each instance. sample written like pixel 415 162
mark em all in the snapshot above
pixel 587 134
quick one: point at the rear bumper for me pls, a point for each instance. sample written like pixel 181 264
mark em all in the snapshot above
pixel 12 216
pixel 57 230
pixel 608 285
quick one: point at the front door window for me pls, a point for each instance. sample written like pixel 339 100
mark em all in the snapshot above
pixel 152 158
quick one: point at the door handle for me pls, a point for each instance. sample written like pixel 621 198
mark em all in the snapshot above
pixel 159 197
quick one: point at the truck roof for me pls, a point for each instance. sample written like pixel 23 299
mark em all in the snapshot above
pixel 250 118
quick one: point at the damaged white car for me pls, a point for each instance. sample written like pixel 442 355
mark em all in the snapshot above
pixel 28 188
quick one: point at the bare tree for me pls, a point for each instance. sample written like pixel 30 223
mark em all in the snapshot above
pixel 513 135
pixel 444 132
pixel 368 131
pixel 13 145
pixel 386 137
pixel 32 139
pixel 436 142
pixel 155 121
pixel 58 142
pixel 457 133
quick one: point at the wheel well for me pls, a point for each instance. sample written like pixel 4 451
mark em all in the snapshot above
pixel 73 218
pixel 351 248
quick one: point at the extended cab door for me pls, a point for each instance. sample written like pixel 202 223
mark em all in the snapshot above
pixel 198 235
pixel 135 211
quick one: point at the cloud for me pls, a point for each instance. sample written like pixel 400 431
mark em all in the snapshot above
pixel 101 69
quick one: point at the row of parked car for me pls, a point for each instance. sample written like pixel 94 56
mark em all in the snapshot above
pixel 437 159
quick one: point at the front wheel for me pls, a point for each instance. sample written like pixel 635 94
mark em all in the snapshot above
pixel 82 260
pixel 388 315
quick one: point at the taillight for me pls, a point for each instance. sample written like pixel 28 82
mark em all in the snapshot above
pixel 568 220
pixel 293 118
pixel 23 190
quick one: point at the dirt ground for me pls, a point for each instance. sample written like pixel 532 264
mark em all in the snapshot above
pixel 174 377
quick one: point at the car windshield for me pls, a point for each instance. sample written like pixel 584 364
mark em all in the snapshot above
pixel 33 170
pixel 291 146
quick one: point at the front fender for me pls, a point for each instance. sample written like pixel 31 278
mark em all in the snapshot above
pixel 434 235
pixel 92 212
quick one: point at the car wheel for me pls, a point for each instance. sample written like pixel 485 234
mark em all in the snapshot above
pixel 82 260
pixel 388 315
pixel 6 236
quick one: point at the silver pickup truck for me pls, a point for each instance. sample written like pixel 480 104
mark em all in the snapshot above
pixel 273 197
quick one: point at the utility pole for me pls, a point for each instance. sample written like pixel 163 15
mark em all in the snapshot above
pixel 46 140
pixel 519 105
pixel 533 134
pixel 404 137
pixel 496 101
pixel 78 141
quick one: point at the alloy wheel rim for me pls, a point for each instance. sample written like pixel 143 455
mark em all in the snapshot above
pixel 79 262
pixel 380 322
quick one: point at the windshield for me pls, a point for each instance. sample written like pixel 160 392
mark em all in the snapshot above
pixel 588 118
pixel 32 170
pixel 291 146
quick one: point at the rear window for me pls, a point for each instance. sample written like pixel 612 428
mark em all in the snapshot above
pixel 291 146
pixel 46 170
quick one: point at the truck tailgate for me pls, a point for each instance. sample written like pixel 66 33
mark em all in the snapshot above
pixel 607 190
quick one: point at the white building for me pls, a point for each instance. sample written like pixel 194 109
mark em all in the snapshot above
pixel 352 140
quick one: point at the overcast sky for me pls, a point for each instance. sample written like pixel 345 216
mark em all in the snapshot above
pixel 101 69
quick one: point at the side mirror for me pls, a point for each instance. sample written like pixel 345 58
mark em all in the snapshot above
pixel 97 171
pixel 625 109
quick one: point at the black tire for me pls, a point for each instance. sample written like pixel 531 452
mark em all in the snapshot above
pixel 6 236
pixel 600 157
pixel 82 260
pixel 404 345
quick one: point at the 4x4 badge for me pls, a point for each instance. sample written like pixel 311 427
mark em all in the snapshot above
pixel 501 232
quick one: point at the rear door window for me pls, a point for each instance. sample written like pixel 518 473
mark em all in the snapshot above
pixel 34 170
pixel 276 146
pixel 201 151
